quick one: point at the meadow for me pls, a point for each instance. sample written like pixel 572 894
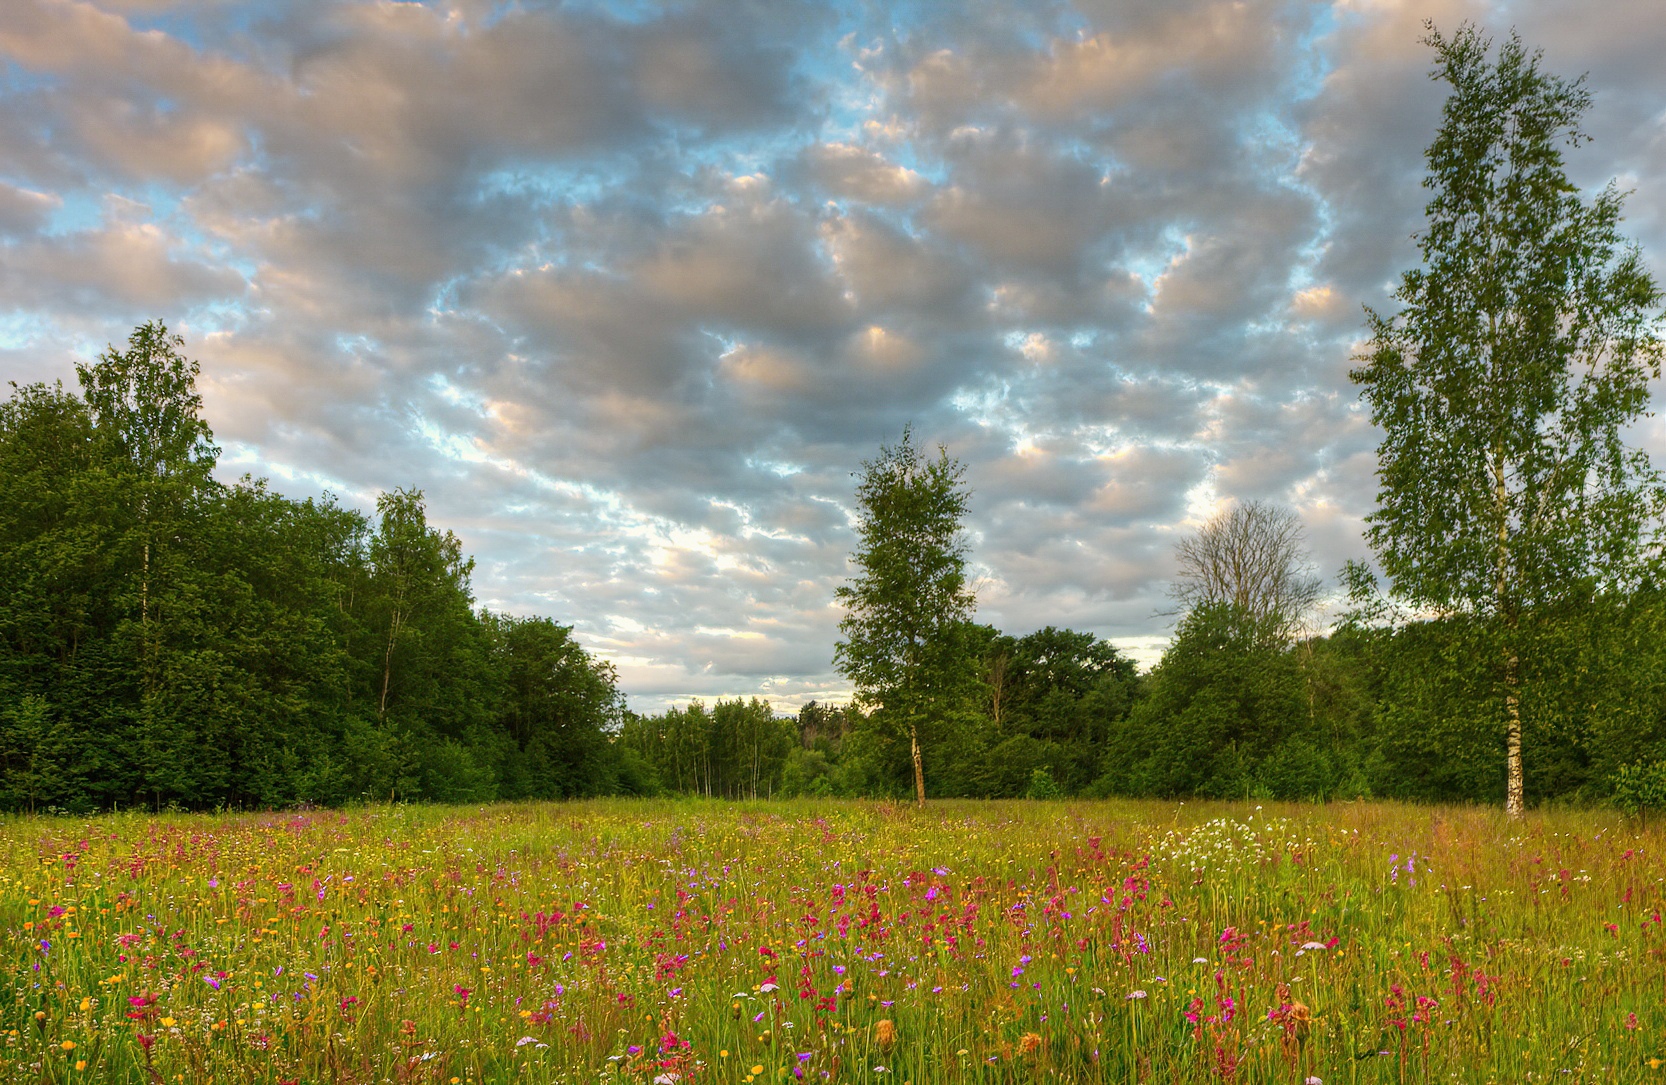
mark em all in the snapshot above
pixel 767 943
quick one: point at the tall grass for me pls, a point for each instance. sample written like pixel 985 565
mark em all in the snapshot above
pixel 638 941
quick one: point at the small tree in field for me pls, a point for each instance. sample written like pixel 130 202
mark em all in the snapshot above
pixel 909 597
pixel 1503 387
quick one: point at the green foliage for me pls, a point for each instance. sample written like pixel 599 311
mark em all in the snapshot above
pixel 1225 716
pixel 902 645
pixel 739 749
pixel 1043 786
pixel 1523 349
pixel 1640 786
pixel 1593 700
pixel 1505 385
pixel 169 640
pixel 1055 698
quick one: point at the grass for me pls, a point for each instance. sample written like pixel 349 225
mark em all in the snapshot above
pixel 766 943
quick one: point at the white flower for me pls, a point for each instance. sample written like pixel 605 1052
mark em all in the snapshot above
pixel 666 1079
pixel 1200 960
pixel 770 987
pixel 1136 994
pixel 1313 1081
pixel 1314 945
pixel 524 1040
pixel 881 1070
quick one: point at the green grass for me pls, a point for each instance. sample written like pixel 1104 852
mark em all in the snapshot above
pixel 620 941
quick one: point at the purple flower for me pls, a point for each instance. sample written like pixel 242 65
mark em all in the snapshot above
pixel 212 982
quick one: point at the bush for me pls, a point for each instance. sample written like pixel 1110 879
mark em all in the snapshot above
pixel 1640 787
pixel 1043 786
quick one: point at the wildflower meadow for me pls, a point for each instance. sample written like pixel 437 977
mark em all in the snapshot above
pixel 767 943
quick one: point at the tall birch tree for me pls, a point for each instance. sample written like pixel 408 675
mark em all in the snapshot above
pixel 1504 386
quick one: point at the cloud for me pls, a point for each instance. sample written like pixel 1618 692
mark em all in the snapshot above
pixel 631 290
pixel 847 171
pixel 123 268
pixel 23 211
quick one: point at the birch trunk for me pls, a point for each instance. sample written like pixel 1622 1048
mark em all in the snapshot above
pixel 1515 792
pixel 919 766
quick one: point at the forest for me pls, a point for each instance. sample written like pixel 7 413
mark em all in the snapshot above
pixel 170 640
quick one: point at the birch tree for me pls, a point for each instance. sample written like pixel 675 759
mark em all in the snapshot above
pixel 1504 386
pixel 909 596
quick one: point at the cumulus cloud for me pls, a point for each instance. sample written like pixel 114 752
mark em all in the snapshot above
pixel 631 290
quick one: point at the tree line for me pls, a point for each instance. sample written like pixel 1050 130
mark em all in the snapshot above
pixel 169 639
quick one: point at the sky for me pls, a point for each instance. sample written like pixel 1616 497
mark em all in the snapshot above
pixel 631 289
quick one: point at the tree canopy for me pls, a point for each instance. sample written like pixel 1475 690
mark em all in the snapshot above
pixel 1251 558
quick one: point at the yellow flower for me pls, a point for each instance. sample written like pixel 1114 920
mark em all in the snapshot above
pixel 757 1069
pixel 68 1045
pixel 80 1064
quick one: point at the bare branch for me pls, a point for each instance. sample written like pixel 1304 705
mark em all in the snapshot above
pixel 1253 558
